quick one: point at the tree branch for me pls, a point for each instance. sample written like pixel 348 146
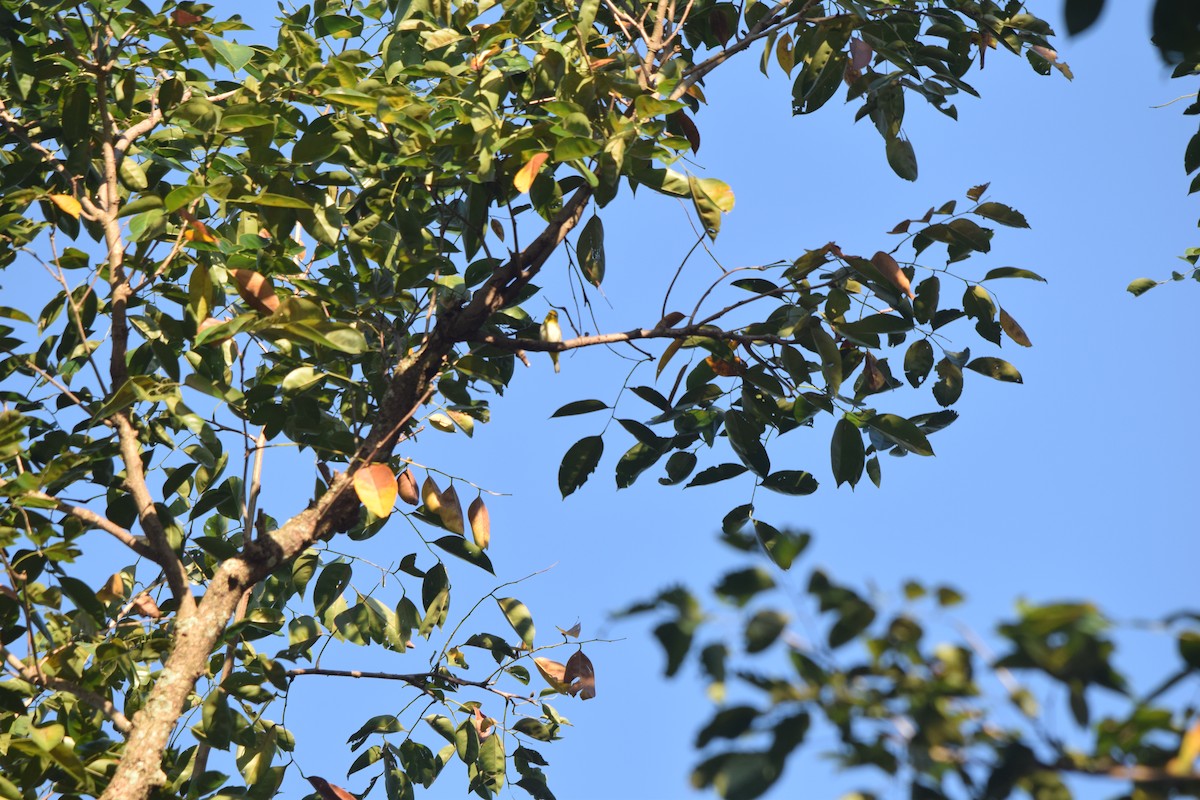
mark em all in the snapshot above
pixel 706 331
pixel 34 675
pixel 420 680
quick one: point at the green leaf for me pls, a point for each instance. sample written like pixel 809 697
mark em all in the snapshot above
pixel 579 407
pixel 918 361
pixel 589 250
pixel 998 212
pixel 902 158
pixel 1012 272
pixel 763 629
pixel 744 438
pixel 468 551
pixel 847 452
pixel 741 586
pixel 901 431
pixel 949 385
pixel 996 368
pixel 1082 14
pixel 721 472
pixel 790 481
pixel 1141 286
pixel 579 462
pixel 518 617
pixel 831 359
pixel 637 460
pixel 728 723
pixel 235 56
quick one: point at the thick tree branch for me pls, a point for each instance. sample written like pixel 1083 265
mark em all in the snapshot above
pixel 195 636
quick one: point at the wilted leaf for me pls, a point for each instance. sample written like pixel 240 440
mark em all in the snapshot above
pixel 571 632
pixel 406 484
pixel 581 675
pixel 890 270
pixel 1014 329
pixel 376 488
pixel 113 589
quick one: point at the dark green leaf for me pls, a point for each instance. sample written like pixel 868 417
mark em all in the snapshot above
pixel 996 368
pixel 579 462
pixel 579 407
pixel 846 452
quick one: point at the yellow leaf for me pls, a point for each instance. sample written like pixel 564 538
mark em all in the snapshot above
pixel 481 523
pixel 376 488
pixel 554 673
pixel 524 177
pixel 113 589
pixel 441 422
pixel 67 204
pixel 451 512
pixel 430 496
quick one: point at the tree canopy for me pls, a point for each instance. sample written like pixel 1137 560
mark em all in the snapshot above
pixel 338 244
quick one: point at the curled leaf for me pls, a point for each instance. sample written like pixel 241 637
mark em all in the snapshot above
pixel 481 524
pixel 406 485
pixel 554 673
pixel 581 675
pixel 571 632
pixel 376 488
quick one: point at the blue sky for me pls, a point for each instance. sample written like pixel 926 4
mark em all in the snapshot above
pixel 1078 483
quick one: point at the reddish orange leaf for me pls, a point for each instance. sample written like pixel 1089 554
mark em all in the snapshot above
pixel 328 791
pixel 67 204
pixel 376 487
pixel 185 19
pixel 524 177
pixel 256 290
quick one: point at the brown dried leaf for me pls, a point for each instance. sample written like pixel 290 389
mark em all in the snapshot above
pixel 671 320
pixel 67 204
pixel 376 488
pixel 581 675
pixel 1014 329
pixel 145 605
pixel 185 19
pixel 891 272
pixel 873 379
pixel 406 485
pixel 689 130
pixel 726 369
pixel 481 523
pixel 256 290
pixel 451 512
pixel 572 632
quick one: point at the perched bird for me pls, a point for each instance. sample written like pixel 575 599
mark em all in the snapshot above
pixel 552 333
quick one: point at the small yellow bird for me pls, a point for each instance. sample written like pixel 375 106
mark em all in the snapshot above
pixel 552 333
